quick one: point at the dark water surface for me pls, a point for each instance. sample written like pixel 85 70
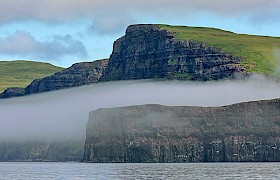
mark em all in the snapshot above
pixel 139 171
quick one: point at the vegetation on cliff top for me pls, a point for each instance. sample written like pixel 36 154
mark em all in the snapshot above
pixel 259 53
pixel 22 73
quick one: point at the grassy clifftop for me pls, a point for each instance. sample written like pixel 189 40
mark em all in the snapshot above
pixel 260 54
pixel 22 73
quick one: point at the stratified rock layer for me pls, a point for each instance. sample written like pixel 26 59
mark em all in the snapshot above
pixel 146 51
pixel 245 132
pixel 77 75
pixel 12 92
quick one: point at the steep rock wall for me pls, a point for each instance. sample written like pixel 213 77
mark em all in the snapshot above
pixel 245 132
pixel 146 51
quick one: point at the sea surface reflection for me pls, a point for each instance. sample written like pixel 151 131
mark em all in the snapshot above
pixel 22 170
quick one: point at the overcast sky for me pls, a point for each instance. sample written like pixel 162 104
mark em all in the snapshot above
pixel 66 31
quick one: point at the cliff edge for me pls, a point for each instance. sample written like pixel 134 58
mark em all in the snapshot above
pixel 244 132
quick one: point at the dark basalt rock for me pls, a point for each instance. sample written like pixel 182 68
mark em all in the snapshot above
pixel 244 132
pixel 77 75
pixel 12 92
pixel 146 51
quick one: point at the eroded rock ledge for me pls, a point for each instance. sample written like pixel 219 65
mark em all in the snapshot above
pixel 244 132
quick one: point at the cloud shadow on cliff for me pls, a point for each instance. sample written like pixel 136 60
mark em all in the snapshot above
pixel 64 113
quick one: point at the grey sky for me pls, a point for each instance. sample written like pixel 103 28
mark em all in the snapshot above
pixel 14 10
pixel 124 11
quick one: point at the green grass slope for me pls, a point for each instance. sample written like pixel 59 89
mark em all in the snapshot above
pixel 260 54
pixel 22 73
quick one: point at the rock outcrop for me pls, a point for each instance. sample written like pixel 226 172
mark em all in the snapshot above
pixel 77 75
pixel 244 132
pixel 12 92
pixel 146 51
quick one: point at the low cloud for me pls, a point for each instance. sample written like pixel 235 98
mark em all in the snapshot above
pixel 65 113
pixel 23 44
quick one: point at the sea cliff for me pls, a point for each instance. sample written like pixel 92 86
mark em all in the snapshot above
pixel 244 132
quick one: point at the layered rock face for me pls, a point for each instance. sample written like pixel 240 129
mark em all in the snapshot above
pixel 12 92
pixel 245 132
pixel 77 75
pixel 146 51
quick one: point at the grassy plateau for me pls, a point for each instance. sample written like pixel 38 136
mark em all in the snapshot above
pixel 21 73
pixel 260 54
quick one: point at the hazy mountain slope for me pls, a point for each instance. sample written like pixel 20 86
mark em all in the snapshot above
pixel 21 73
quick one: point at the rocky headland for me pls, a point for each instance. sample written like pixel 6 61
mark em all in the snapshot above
pixel 244 132
pixel 147 51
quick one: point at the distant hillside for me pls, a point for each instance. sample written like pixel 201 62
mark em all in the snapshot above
pixel 259 54
pixel 21 73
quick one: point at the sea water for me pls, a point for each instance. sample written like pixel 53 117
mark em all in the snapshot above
pixel 28 170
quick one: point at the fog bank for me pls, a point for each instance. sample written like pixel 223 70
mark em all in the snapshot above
pixel 64 113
